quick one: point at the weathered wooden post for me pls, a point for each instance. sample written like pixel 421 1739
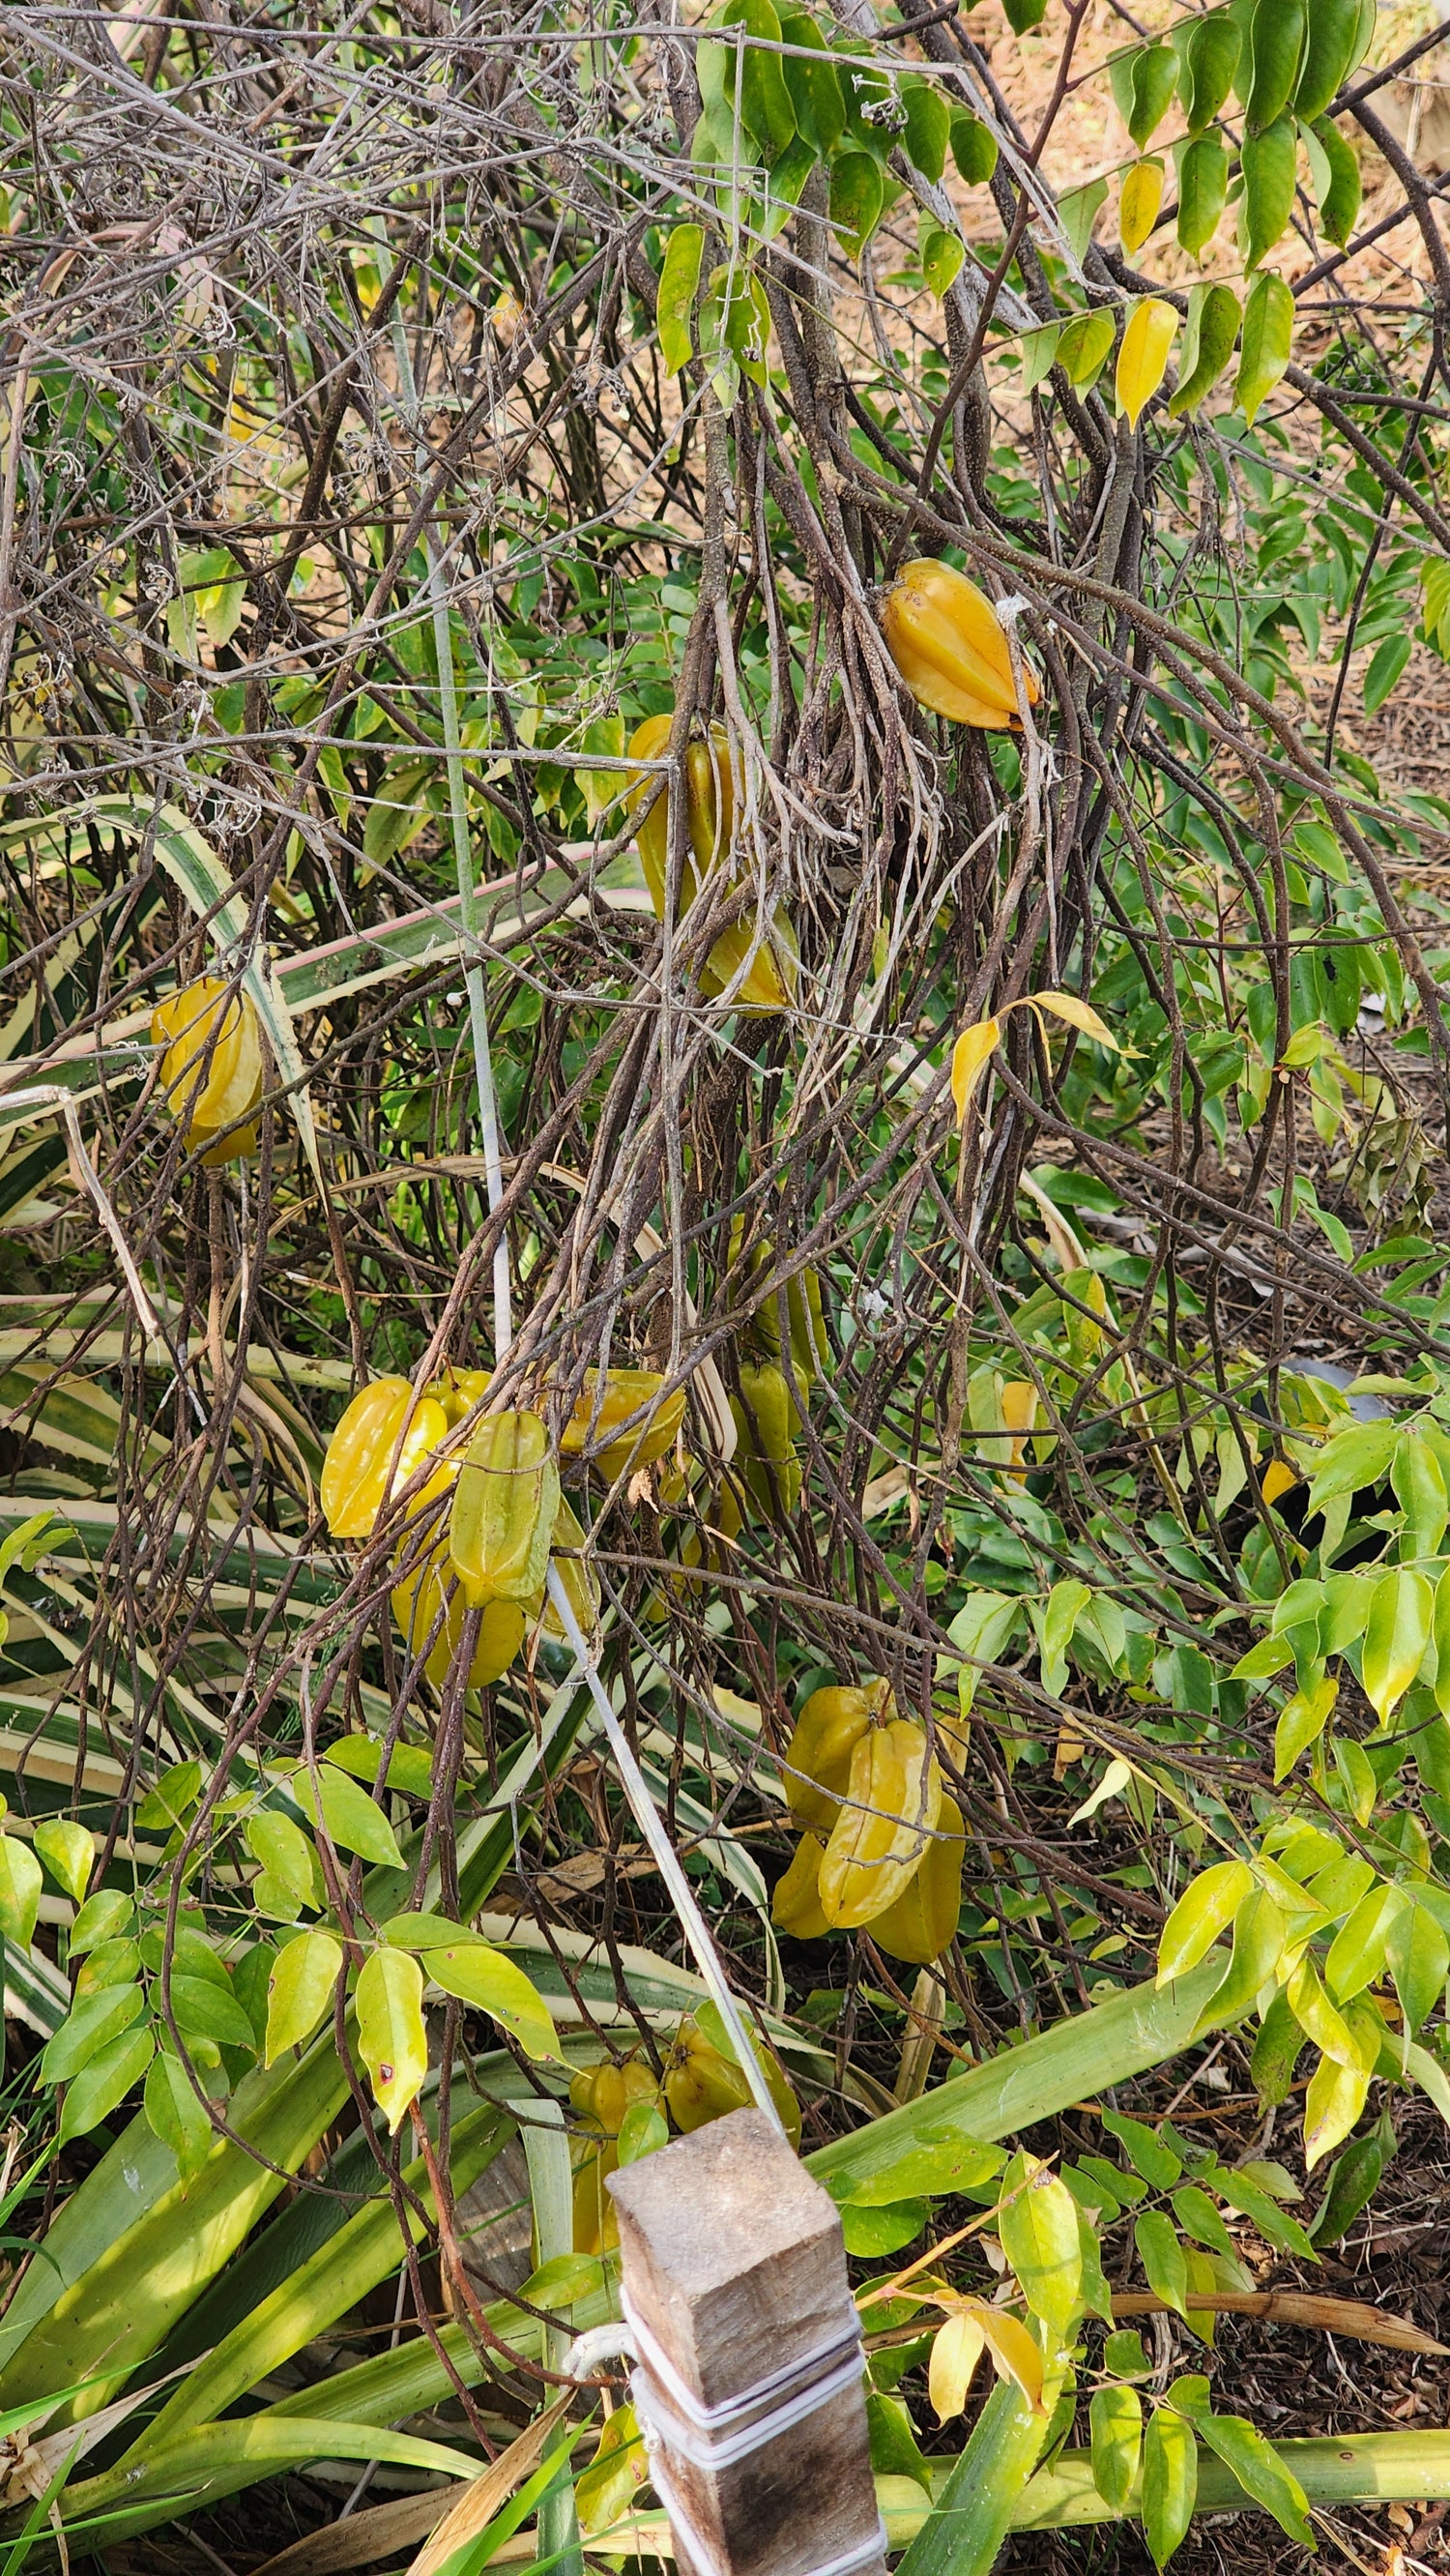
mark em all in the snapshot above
pixel 748 2376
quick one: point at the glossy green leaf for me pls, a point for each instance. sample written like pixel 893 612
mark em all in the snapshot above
pixel 20 1885
pixel 1268 161
pixel 1419 1956
pixel 1359 1949
pixel 974 149
pixel 175 2114
pixel 1339 208
pixel 1205 1910
pixel 1336 2096
pixel 68 1852
pixel 1115 2417
pixel 927 130
pixel 1202 192
pixel 1150 2155
pixel 1170 2482
pixel 289 1865
pixel 1400 1614
pixel 1143 84
pixel 104 2081
pixel 814 86
pixel 494 1984
pixel 675 295
pixel 1162 2258
pixel 351 1819
pixel 1209 61
pixel 765 101
pixel 1274 51
pixel 89 2027
pixel 856 198
pixel 1209 334
pixel 1302 1721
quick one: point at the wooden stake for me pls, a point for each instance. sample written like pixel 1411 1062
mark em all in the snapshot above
pixel 735 2274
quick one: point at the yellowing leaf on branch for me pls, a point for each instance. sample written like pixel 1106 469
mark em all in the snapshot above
pixel 971 1055
pixel 1078 1015
pixel 1139 203
pixel 1143 355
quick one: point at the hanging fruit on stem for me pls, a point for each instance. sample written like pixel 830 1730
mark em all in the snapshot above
pixel 950 647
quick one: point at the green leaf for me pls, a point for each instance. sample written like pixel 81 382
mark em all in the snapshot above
pixel 1086 345
pixel 1274 49
pixel 103 1917
pixel 175 2114
pixel 493 1983
pixel 1143 83
pixel 1358 1951
pixel 1078 211
pixel 815 87
pixel 1268 330
pixel 1260 2472
pixel 392 2033
pixel 171 1801
pixel 1339 207
pixel 1386 663
pixel 1149 2154
pixel 883 2229
pixel 206 2010
pixel 928 126
pixel 936 2166
pixel 1162 2258
pixel 974 150
pixel 643 2131
pixel 1039 349
pixel 1419 1956
pixel 1400 1613
pixel 765 101
pixel 942 254
pixel 1301 1722
pixel 300 1990
pixel 856 198
pixel 1260 1931
pixel 1055 1623
pixel 89 2027
pixel 1198 2218
pixel 289 1865
pixel 1170 2483
pixel 1210 59
pixel 1202 194
pixel 20 1881
pixel 349 1815
pixel 1039 2235
pixel 1273 2223
pixel 105 2081
pixel 1352 1460
pixel 68 1852
pixel 1203 1911
pixel 675 295
pixel 1115 2416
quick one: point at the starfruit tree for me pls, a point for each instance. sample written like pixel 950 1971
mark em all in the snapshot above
pixel 726 1354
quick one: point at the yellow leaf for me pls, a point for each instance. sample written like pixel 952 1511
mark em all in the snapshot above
pixel 958 2348
pixel 1078 1014
pixel 1143 356
pixel 1014 2352
pixel 1138 206
pixel 971 1055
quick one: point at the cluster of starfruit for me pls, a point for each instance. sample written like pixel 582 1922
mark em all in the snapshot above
pixel 951 649
pixel 211 1067
pixel 881 1841
pixel 767 1478
pixel 487 1518
pixel 702 2081
pixel 712 852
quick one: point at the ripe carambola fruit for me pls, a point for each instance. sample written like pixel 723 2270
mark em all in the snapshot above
pixel 796 1905
pixel 575 1573
pixel 596 2220
pixel 765 1420
pixel 818 1756
pixel 504 1506
pixel 710 828
pixel 627 1392
pixel 703 2084
pixel 211 1070
pixel 429 1596
pixel 879 1839
pixel 365 1447
pixel 923 1920
pixel 604 2095
pixel 949 645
